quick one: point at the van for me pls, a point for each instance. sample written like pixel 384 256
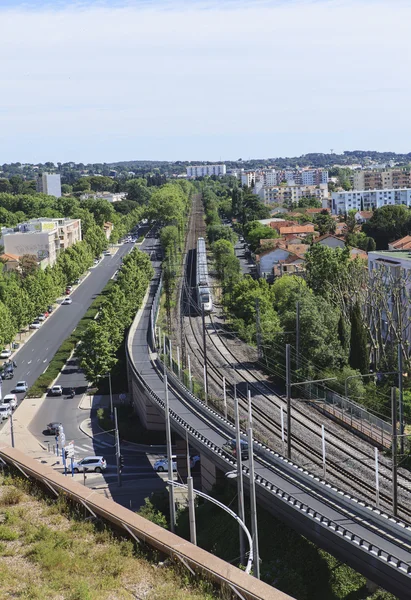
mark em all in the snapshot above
pixel 11 400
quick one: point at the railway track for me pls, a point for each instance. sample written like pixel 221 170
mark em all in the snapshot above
pixel 349 465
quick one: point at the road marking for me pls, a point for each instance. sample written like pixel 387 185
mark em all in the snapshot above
pixel 45 360
pixel 29 362
pixel 44 370
pixel 28 372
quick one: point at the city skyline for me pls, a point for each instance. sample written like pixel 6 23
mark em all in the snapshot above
pixel 112 81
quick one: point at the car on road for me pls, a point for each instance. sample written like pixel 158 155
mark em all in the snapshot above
pixel 35 325
pixel 6 353
pixel 10 400
pixel 107 253
pixel 67 300
pixel 21 386
pixel 7 372
pixel 231 448
pixel 53 428
pixel 161 465
pixel 5 412
pixel 90 463
pixel 56 390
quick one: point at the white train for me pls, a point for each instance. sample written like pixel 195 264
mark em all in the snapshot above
pixel 203 286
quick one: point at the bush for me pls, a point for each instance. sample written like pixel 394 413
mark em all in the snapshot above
pixel 7 534
pixel 11 496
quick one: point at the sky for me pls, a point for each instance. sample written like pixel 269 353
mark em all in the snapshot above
pixel 104 81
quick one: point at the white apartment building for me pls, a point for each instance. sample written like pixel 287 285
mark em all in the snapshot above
pixel 43 238
pixel 205 170
pixel 109 196
pixel 292 194
pixel 49 184
pixel 342 202
pixel 314 176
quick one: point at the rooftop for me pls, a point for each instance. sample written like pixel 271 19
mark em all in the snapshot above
pixel 391 254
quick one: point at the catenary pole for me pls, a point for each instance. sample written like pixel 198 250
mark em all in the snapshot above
pixel 169 454
pixel 394 450
pixel 288 385
pixel 240 483
pixel 253 501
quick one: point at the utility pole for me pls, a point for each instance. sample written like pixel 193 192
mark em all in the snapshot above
pixel 205 355
pixel 117 437
pixel 394 451
pixel 111 394
pixel 288 386
pixel 240 484
pixel 190 381
pixel 400 388
pixel 225 398
pixel 190 498
pixel 169 454
pixel 253 501
pixel 11 429
pixel 178 362
pixel 258 328
pixel 297 336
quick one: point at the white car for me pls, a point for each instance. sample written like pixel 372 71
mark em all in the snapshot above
pixel 35 325
pixel 6 353
pixel 5 411
pixel 90 463
pixel 56 390
pixel 41 317
pixel 21 386
pixel 161 465
pixel 10 400
pixel 67 300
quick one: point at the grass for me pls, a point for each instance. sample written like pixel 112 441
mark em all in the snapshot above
pixel 48 551
pixel 58 361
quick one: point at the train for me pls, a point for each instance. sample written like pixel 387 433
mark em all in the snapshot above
pixel 204 297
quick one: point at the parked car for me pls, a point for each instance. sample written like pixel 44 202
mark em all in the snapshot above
pixel 77 281
pixel 42 317
pixel 10 400
pixel 6 353
pixel 35 325
pixel 50 308
pixel 107 253
pixel 21 386
pixel 230 447
pixel 56 390
pixel 5 412
pixel 161 465
pixel 67 300
pixel 7 372
pixel 91 463
pixel 53 428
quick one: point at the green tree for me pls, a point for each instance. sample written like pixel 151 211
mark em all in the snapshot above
pixel 388 223
pixel 8 328
pixel 96 239
pixel 359 355
pixel 325 223
pixel 325 268
pixel 96 353
pixel 138 191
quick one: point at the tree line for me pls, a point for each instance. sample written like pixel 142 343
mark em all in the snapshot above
pixel 102 338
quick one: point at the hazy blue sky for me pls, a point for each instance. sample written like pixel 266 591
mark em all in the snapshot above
pixel 105 81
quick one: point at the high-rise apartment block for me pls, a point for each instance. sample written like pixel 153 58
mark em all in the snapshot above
pixel 382 179
pixel 288 176
pixel 205 170
pixel 50 184
pixel 342 202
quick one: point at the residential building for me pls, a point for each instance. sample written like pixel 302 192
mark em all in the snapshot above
pixel 314 176
pixel 283 258
pixel 369 200
pixel 332 241
pixel 362 216
pixel 292 194
pixel 10 262
pixel 109 196
pixel 50 184
pixel 300 230
pixel 205 170
pixel 108 228
pixel 43 238
pixel 402 244
pixel 382 179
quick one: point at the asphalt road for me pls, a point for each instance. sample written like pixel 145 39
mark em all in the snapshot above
pixel 33 358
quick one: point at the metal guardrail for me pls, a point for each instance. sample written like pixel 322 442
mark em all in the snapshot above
pixel 317 518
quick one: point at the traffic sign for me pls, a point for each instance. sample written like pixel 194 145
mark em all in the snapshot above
pixel 70 449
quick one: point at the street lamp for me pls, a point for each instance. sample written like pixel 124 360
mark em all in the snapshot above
pixel 230 512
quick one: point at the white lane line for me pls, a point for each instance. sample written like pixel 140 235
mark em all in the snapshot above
pixel 45 360
pixel 29 362
pixel 88 447
pixel 28 372
pixel 44 369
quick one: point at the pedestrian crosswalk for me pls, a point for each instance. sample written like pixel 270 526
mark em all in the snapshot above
pixel 91 447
